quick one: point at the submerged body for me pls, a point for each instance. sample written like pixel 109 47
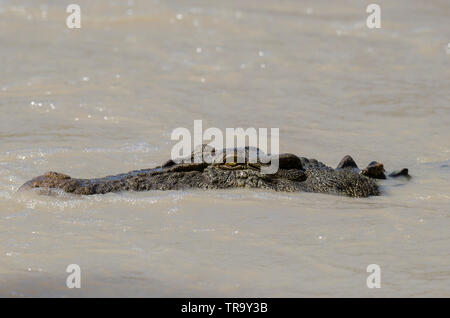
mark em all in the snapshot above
pixel 294 174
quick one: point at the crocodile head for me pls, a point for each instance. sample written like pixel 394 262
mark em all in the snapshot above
pixel 235 168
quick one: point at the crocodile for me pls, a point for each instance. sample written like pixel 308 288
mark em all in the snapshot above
pixel 234 170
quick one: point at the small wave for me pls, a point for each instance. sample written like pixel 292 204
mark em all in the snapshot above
pixel 60 200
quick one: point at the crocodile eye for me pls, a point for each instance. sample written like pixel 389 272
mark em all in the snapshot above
pixel 232 166
pixel 289 161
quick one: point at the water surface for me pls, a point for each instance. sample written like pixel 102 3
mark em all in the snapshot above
pixel 105 98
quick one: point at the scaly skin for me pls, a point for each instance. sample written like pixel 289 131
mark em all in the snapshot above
pixel 295 174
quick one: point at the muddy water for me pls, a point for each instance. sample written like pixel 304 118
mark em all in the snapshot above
pixel 105 98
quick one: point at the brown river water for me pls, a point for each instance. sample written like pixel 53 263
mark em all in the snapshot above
pixel 105 98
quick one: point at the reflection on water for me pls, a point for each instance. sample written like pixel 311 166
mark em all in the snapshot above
pixel 104 99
